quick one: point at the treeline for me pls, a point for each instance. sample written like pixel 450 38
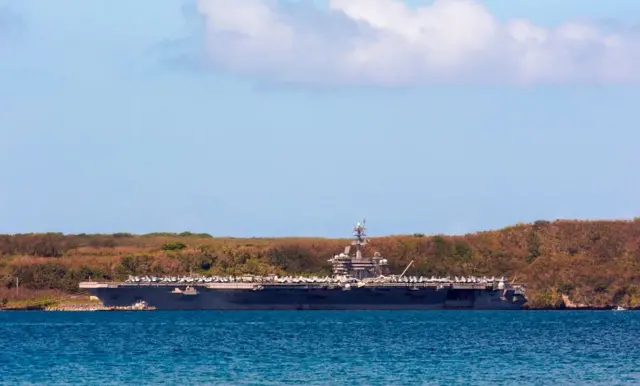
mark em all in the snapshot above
pixel 592 262
pixel 57 244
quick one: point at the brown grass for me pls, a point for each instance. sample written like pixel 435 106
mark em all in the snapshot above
pixel 594 262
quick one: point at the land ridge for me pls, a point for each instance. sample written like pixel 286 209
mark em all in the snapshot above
pixel 578 264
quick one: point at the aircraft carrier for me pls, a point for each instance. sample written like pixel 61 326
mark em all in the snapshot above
pixel 357 283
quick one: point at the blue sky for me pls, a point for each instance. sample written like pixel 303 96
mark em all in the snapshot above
pixel 194 115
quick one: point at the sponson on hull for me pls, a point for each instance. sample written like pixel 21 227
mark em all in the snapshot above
pixel 357 283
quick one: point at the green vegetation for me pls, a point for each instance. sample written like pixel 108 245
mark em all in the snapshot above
pixel 592 262
pixel 176 246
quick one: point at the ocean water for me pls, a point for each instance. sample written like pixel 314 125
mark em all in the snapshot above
pixel 320 348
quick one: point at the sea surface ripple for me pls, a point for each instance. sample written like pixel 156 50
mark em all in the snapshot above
pixel 320 348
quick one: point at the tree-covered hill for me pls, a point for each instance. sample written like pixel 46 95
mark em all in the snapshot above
pixel 596 263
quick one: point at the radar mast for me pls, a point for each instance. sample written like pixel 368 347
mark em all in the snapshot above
pixel 359 232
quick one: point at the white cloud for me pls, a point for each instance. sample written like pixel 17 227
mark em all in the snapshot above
pixel 385 42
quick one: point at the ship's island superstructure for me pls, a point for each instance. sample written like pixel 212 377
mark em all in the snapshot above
pixel 357 283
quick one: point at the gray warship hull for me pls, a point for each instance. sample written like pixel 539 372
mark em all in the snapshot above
pixel 305 297
pixel 358 283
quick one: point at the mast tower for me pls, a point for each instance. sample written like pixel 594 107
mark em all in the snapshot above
pixel 358 266
pixel 359 232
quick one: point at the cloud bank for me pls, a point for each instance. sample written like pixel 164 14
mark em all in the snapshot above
pixel 385 42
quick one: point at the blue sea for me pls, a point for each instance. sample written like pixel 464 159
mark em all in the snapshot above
pixel 320 348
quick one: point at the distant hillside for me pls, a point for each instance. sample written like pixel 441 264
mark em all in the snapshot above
pixel 596 263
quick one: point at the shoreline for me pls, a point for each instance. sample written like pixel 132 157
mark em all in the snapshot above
pixel 101 308
pixel 592 260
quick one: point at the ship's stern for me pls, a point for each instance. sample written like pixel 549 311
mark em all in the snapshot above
pixel 512 298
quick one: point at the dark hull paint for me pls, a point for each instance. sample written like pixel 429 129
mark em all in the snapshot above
pixel 273 298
